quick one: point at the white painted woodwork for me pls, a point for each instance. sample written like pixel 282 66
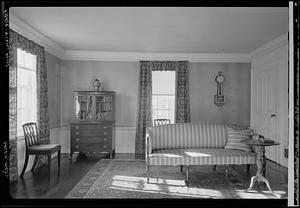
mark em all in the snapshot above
pixel 125 139
pixel 269 96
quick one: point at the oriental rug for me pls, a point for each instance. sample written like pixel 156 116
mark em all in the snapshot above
pixel 111 178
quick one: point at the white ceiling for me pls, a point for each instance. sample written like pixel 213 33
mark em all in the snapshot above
pixel 157 29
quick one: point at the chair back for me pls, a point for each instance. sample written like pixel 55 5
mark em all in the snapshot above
pixel 161 121
pixel 31 134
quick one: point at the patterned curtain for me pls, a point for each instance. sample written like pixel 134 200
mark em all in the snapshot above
pixel 145 96
pixel 144 114
pixel 18 41
pixel 163 65
pixel 182 98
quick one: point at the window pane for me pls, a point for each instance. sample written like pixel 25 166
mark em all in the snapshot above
pixel 171 102
pixel 161 114
pixel 20 57
pixel 163 102
pixel 163 95
pixel 154 114
pixel 154 102
pixel 163 82
pixel 26 90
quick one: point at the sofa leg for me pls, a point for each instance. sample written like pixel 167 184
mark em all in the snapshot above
pixel 187 175
pixel 215 167
pixel 181 168
pixel 148 168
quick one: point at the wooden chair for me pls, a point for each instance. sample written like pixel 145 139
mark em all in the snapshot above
pixel 161 121
pixel 33 147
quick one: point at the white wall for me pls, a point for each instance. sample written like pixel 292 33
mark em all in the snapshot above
pixel 122 77
pixel 236 89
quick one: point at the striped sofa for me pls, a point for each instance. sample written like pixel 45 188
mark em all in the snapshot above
pixel 186 144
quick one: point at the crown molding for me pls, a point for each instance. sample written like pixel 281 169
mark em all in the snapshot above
pixel 277 42
pixel 135 56
pixel 24 29
pixel 50 46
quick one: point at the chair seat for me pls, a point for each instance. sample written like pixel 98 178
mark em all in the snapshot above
pixel 44 148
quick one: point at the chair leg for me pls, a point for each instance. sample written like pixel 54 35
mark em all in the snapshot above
pixel 148 168
pixel 226 172
pixel 49 167
pixel 187 175
pixel 248 169
pixel 181 168
pixel 25 165
pixel 36 157
pixel 215 167
pixel 58 161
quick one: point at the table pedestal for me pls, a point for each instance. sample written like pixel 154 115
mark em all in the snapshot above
pixel 261 165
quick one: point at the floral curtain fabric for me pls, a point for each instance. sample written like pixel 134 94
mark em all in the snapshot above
pixel 182 98
pixel 182 108
pixel 144 114
pixel 18 41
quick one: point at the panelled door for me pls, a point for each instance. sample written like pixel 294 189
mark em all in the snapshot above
pixel 269 101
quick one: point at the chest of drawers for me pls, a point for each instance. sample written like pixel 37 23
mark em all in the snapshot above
pixel 92 139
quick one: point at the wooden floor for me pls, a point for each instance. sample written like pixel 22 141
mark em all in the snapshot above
pixel 35 184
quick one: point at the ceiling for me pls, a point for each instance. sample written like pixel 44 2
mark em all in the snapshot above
pixel 157 29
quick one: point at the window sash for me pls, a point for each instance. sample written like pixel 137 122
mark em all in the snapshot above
pixel 26 90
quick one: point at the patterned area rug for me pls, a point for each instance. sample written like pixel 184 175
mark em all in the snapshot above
pixel 128 179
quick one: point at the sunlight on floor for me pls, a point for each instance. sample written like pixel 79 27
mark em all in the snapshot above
pixel 253 194
pixel 162 186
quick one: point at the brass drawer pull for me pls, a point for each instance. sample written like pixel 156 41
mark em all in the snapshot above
pixel 105 127
pixel 105 140
pixel 77 133
pixel 77 127
pixel 77 140
pixel 104 146
pixel 77 146
pixel 104 133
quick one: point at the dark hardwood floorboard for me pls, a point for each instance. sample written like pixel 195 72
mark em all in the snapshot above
pixel 35 184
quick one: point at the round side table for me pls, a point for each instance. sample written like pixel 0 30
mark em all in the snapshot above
pixel 260 162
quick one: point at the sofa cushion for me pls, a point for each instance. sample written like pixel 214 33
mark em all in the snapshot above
pixel 202 156
pixel 235 138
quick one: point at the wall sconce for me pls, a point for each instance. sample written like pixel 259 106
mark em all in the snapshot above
pixel 219 97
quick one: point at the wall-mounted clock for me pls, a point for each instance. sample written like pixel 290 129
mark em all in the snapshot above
pixel 220 78
pixel 219 97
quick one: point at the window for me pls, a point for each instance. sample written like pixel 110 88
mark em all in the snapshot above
pixel 26 89
pixel 163 95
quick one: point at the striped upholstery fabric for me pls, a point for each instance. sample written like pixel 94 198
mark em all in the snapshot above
pixel 235 138
pixel 189 135
pixel 194 144
pixel 211 156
